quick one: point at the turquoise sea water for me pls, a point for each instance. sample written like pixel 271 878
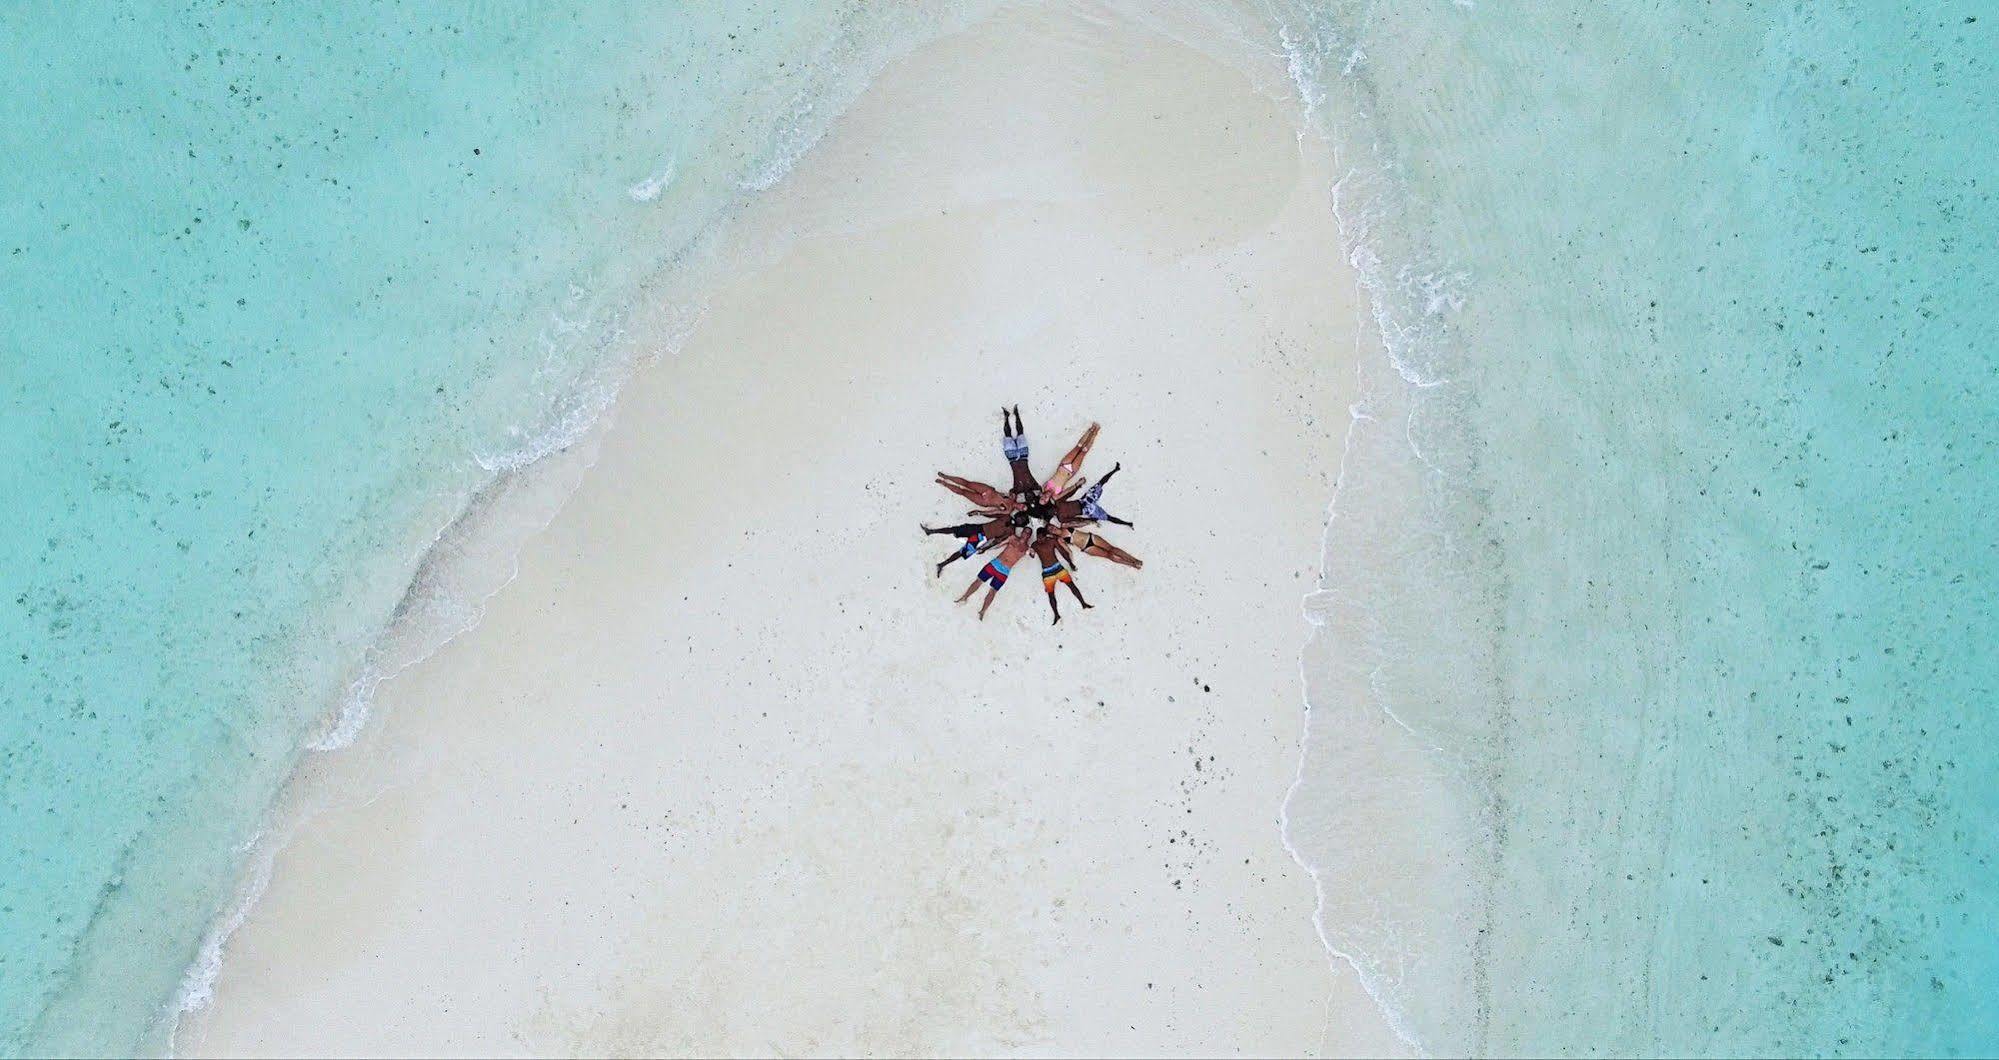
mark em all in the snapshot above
pixel 281 287
pixel 1657 602
pixel 1682 628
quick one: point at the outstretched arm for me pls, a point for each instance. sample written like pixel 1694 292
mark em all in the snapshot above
pixel 959 488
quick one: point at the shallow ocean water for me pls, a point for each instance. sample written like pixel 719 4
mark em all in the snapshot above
pixel 1685 627
pixel 1658 593
pixel 281 288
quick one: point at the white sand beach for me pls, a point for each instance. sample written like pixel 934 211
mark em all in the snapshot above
pixel 724 771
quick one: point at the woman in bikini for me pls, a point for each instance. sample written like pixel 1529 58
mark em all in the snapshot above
pixel 994 573
pixel 1054 570
pixel 1072 462
pixel 1090 543
pixel 1013 445
pixel 978 536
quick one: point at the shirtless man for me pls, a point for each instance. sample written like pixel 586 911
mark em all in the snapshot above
pixel 1077 537
pixel 1072 462
pixel 1055 570
pixel 994 573
pixel 980 494
pixel 1088 509
pixel 1013 445
pixel 978 536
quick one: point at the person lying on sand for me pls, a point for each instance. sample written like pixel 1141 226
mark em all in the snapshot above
pixel 978 536
pixel 1072 462
pixel 994 573
pixel 1090 543
pixel 1013 445
pixel 983 496
pixel 1054 570
pixel 1045 508
pixel 1089 509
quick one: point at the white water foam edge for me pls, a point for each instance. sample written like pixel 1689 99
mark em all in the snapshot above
pixel 1399 828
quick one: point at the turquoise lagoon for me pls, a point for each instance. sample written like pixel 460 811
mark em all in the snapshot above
pixel 282 287
pixel 1650 699
pixel 1685 628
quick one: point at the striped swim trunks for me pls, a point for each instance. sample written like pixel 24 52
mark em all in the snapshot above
pixel 1054 574
pixel 994 574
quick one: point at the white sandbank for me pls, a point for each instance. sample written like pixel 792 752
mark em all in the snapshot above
pixel 724 771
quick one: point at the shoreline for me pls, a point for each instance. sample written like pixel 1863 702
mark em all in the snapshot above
pixel 1369 978
pixel 529 483
pixel 314 773
pixel 498 520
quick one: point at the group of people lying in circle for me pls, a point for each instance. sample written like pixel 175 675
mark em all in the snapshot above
pixel 1047 518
